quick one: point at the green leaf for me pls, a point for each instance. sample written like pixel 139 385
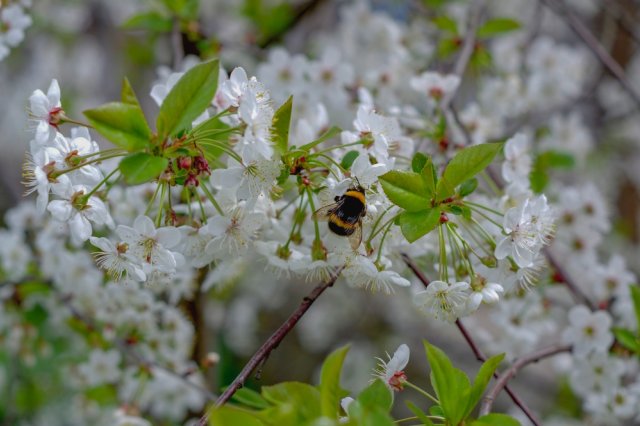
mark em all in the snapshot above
pixel 127 94
pixel 406 189
pixel 104 394
pixel 415 225
pixel 280 125
pixel 189 98
pixel 250 398
pixel 212 129
pixel 418 162
pixel 447 46
pixel 377 394
pixel 149 21
pixel 468 186
pixel 368 416
pixel 330 391
pixel 466 164
pixel 450 384
pixel 301 397
pixel 627 338
pixel 421 415
pixel 430 176
pixel 446 23
pixel 635 298
pixel 142 167
pixel 497 26
pixel 481 381
pixel 121 123
pixel 348 159
pixel 539 176
pixel 496 419
pixel 226 415
pixel 332 132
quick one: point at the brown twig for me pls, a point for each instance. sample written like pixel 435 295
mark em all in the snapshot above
pixel 573 288
pixel 518 364
pixel 472 344
pixel 176 44
pixel 594 45
pixel 468 46
pixel 272 342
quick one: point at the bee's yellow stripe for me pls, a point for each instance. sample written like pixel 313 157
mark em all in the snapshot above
pixel 356 194
pixel 341 223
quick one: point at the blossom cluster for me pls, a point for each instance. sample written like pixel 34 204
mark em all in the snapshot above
pixel 13 22
pixel 232 201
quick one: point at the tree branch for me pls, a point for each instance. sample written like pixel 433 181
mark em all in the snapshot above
pixel 594 45
pixel 520 363
pixel 468 45
pixel 272 342
pixel 474 347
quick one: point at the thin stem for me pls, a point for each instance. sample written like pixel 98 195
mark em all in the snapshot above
pixel 489 209
pixel 272 342
pixel 151 201
pixel 501 382
pixel 316 227
pixel 444 273
pixel 211 198
pixel 374 234
pixel 163 190
pixel 102 182
pixel 422 391
pixel 384 235
pixel 484 215
pixel 331 148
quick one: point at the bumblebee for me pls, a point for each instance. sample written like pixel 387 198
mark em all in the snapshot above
pixel 345 215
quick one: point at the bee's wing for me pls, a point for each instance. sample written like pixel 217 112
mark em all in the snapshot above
pixel 356 238
pixel 324 213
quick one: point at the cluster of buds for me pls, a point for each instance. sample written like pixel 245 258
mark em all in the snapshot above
pixel 190 169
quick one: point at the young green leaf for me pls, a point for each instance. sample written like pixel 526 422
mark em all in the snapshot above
pixel 149 21
pixel 450 384
pixel 635 298
pixel 127 94
pixel 466 164
pixel 303 398
pixel 497 26
pixel 468 186
pixel 495 419
pixel 250 398
pixel 445 23
pixel 189 98
pixel 227 415
pixel 348 159
pixel 429 176
pixel 421 415
pixel 407 190
pixel 142 167
pixel 121 123
pixel 418 162
pixel 330 391
pixel 377 394
pixel 280 125
pixel 481 381
pixel 415 225
pixel 627 338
